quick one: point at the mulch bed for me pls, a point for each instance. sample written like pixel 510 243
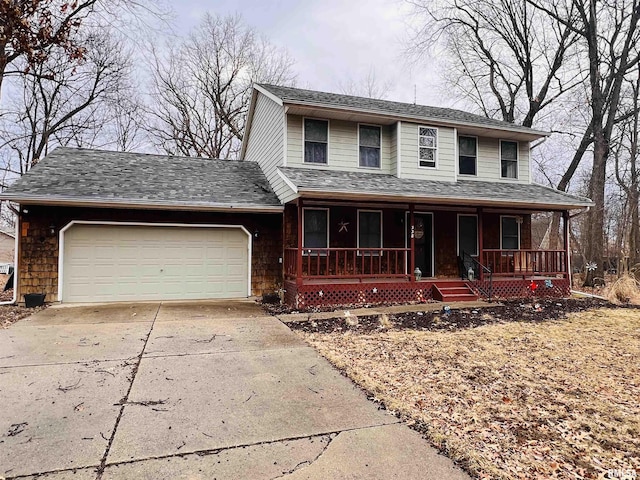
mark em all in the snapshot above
pixel 10 314
pixel 507 311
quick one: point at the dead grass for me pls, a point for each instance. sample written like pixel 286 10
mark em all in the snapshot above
pixel 625 289
pixel 10 314
pixel 518 400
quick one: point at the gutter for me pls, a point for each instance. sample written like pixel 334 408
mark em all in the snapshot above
pixel 137 204
pixel 15 268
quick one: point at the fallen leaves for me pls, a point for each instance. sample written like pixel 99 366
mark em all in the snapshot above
pixel 555 399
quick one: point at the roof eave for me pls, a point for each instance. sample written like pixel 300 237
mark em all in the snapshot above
pixel 412 198
pixel 137 204
pixel 530 132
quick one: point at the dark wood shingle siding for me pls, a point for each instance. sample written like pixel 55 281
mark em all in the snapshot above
pixel 39 248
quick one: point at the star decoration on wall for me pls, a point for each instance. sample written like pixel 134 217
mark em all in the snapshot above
pixel 375 290
pixel 342 226
pixel 320 293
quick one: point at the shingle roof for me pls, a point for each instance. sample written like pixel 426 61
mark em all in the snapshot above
pixel 409 110
pixel 71 175
pixel 467 192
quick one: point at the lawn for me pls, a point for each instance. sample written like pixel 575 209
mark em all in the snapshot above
pixel 558 398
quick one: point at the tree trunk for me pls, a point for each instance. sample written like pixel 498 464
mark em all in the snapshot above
pixel 594 231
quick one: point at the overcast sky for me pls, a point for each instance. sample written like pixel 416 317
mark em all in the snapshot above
pixel 333 41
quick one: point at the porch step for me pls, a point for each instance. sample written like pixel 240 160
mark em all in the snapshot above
pixel 450 293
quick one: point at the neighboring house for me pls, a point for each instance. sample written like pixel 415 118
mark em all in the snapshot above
pixel 7 247
pixel 339 200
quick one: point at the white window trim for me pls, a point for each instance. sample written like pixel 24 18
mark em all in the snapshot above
pixel 517 159
pixel 304 209
pixel 358 228
pixel 379 127
pixel 458 156
pixel 304 161
pixel 477 233
pixel 515 217
pixel 437 148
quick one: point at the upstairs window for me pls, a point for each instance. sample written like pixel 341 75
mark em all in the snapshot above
pixel 316 140
pixel 428 146
pixel 509 159
pixel 467 155
pixel 316 228
pixel 369 139
pixel 509 233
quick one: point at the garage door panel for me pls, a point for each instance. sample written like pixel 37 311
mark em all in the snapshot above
pixel 118 263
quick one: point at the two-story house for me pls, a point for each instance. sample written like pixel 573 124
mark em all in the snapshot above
pixel 336 200
pixel 388 201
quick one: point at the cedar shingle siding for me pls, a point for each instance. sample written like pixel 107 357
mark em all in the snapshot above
pixel 39 248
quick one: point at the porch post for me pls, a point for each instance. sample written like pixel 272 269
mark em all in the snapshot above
pixel 567 245
pixel 480 245
pixel 299 252
pixel 412 231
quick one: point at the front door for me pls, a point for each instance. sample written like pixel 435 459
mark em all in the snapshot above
pixel 423 242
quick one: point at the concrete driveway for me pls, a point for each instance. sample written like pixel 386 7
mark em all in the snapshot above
pixel 188 391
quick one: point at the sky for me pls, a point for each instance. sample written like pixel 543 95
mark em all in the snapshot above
pixel 335 41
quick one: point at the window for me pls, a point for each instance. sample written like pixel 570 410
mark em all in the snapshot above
pixel 369 146
pixel 509 233
pixel 428 146
pixel 316 228
pixel 467 155
pixel 509 159
pixel 468 234
pixel 316 140
pixel 369 229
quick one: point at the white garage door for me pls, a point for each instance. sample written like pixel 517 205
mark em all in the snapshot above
pixel 104 263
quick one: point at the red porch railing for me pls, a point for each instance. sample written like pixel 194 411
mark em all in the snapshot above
pixel 347 262
pixel 517 263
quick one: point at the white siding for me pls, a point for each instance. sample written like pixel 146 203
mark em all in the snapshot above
pixel 489 162
pixel 393 160
pixel 446 162
pixel 265 143
pixel 343 147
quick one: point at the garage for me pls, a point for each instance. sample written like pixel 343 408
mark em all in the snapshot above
pixel 127 262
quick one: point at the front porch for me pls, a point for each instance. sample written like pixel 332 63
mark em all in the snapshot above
pixel 346 254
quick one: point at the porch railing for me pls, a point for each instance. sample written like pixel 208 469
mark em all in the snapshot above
pixel 347 262
pixel 516 263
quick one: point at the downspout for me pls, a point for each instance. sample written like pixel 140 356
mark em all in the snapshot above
pixel 15 265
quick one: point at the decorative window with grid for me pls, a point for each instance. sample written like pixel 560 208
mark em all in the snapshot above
pixel 427 146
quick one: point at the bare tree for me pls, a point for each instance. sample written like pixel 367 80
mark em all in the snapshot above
pixel 507 58
pixel 201 88
pixel 609 33
pixel 627 171
pixel 369 86
pixel 31 31
pixel 64 103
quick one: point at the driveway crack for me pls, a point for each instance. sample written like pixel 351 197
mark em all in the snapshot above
pixel 308 463
pixel 125 399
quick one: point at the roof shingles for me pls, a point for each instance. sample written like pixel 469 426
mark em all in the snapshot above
pixel 462 191
pixel 409 110
pixel 135 178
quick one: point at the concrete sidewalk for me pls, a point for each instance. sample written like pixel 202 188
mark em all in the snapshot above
pixel 377 310
pixel 194 390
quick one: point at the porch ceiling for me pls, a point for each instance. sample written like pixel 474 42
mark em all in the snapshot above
pixel 315 183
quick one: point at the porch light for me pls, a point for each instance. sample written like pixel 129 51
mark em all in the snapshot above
pixel 52 229
pixel 418 273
